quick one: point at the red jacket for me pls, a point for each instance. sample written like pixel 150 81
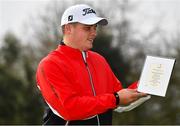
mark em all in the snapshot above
pixel 66 83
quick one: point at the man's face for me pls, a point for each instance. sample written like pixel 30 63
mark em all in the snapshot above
pixel 82 36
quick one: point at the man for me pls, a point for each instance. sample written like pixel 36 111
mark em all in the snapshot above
pixel 77 84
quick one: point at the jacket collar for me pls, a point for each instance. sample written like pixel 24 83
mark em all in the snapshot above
pixel 71 52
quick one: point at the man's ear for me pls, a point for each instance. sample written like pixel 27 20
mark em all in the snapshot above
pixel 67 29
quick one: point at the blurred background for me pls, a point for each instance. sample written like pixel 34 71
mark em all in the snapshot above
pixel 29 29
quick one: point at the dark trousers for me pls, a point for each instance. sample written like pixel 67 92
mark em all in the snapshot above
pixel 51 119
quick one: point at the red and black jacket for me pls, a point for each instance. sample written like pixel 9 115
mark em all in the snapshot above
pixel 77 86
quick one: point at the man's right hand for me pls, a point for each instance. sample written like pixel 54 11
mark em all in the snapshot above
pixel 127 96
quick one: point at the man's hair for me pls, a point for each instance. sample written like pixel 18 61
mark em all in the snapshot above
pixel 63 27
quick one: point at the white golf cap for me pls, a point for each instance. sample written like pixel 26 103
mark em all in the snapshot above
pixel 82 13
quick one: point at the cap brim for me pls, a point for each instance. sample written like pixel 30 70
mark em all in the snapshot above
pixel 94 20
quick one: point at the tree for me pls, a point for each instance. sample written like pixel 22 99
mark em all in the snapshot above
pixel 11 97
pixel 10 49
pixel 18 99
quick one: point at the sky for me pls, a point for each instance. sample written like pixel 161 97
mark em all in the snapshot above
pixel 14 13
pixel 164 13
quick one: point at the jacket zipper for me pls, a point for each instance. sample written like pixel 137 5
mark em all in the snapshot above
pixel 91 80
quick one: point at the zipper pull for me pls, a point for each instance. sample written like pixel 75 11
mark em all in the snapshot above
pixel 84 57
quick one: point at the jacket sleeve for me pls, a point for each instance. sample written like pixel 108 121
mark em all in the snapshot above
pixel 133 85
pixel 59 92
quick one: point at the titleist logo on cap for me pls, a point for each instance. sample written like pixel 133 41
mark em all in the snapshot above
pixel 88 11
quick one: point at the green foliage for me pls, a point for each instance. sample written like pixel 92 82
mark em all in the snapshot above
pixel 11 97
pixel 19 101
pixel 10 49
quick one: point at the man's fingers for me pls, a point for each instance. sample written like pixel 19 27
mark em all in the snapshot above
pixel 137 94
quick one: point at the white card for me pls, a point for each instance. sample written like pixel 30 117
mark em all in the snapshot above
pixel 155 75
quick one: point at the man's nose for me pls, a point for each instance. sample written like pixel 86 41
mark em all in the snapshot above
pixel 93 31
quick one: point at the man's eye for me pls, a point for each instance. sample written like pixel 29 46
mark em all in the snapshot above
pixel 87 28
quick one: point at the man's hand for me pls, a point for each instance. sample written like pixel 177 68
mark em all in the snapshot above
pixel 127 96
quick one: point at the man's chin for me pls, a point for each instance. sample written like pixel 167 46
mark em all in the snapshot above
pixel 88 48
